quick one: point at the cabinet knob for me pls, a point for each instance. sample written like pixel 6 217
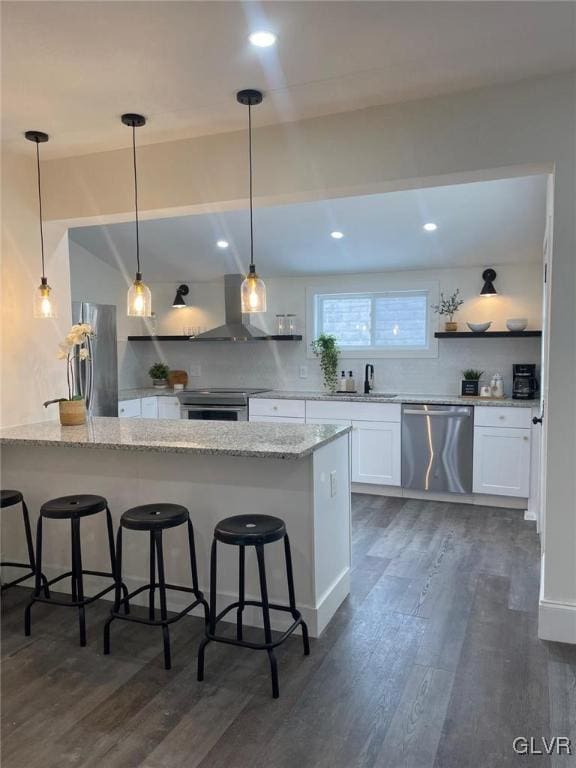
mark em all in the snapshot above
pixel 274 407
pixel 501 418
pixel 525 438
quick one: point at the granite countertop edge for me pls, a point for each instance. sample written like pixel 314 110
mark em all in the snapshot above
pixel 137 392
pixel 399 399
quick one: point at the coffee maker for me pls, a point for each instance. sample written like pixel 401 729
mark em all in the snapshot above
pixel 524 381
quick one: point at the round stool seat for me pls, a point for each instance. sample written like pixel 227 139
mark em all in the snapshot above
pixel 9 498
pixel 78 505
pixel 249 530
pixel 154 517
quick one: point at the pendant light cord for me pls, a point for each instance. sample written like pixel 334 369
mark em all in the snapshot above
pixel 136 197
pixel 250 170
pixel 40 209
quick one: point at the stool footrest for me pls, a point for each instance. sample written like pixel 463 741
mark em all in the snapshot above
pixel 75 603
pixel 157 622
pixel 297 616
pixel 20 578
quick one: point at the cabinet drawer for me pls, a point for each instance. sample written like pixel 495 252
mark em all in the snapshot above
pixel 278 419
pixel 291 408
pixel 149 407
pixel 129 409
pixel 496 416
pixel 340 409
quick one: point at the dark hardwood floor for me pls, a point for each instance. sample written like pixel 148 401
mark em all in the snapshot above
pixel 432 662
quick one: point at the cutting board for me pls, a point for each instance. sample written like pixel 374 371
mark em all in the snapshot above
pixel 177 377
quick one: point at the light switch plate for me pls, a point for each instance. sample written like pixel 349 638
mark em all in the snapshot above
pixel 333 485
pixel 303 371
pixel 195 370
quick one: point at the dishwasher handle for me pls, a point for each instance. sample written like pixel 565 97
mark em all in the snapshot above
pixel 444 414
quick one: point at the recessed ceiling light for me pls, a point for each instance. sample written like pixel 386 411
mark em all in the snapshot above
pixel 262 39
pixel 430 226
pixel 222 243
pixel 337 235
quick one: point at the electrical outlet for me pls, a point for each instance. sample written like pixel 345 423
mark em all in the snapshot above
pixel 195 370
pixel 333 485
pixel 303 371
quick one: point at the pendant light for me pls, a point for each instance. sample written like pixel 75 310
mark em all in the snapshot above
pixel 44 304
pixel 139 296
pixel 253 290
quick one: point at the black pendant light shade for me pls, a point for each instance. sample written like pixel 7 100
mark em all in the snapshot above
pixel 253 289
pixel 182 291
pixel 139 298
pixel 489 275
pixel 44 304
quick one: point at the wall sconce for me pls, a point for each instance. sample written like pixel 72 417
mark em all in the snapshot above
pixel 489 275
pixel 182 291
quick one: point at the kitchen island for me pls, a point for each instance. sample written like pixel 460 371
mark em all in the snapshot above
pixel 217 469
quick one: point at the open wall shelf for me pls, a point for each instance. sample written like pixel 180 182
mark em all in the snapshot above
pixel 194 339
pixel 487 334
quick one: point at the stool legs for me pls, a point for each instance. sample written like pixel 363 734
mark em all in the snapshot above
pixel 266 618
pixel 292 597
pixel 31 558
pixel 211 612
pixel 162 592
pixel 77 577
pixel 241 590
pixel 38 580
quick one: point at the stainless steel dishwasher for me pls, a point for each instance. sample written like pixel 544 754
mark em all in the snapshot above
pixel 437 443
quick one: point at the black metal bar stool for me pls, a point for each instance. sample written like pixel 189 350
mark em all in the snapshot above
pixel 9 499
pixel 73 508
pixel 155 518
pixel 252 531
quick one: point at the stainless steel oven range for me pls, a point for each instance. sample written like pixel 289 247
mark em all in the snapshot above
pixel 216 403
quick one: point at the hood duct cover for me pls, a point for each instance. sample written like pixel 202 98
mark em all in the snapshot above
pixel 236 326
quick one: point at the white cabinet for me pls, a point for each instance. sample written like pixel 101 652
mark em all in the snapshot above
pixel 129 409
pixel 376 452
pixel 149 407
pixel 278 419
pixel 340 422
pixel 502 461
pixel 168 408
pixel 292 409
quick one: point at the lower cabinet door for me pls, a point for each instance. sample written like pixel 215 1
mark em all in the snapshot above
pixel 278 419
pixel 376 452
pixel 502 461
pixel 149 408
pixel 168 408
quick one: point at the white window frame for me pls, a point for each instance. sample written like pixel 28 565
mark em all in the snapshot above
pixel 382 286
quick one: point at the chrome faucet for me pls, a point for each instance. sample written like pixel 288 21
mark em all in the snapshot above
pixel 368 378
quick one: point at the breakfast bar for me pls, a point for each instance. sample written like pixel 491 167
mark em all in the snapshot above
pixel 299 473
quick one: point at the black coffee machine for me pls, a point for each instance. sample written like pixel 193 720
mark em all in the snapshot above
pixel 524 381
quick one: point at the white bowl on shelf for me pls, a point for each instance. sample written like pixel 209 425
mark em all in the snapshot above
pixel 517 324
pixel 479 327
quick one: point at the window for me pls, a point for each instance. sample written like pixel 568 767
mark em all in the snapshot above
pixel 372 322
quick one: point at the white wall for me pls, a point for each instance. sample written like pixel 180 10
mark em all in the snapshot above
pixel 489 130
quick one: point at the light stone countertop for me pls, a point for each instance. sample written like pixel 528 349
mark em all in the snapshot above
pixel 133 394
pixel 383 397
pixel 243 438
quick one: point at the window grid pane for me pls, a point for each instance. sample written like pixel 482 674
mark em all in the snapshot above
pixel 383 321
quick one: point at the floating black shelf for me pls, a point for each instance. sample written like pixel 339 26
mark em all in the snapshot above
pixel 195 339
pixel 487 334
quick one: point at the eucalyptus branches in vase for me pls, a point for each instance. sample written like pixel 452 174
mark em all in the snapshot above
pixel 447 307
pixel 326 350
pixel 73 350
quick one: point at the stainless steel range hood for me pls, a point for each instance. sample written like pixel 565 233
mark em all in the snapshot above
pixel 236 326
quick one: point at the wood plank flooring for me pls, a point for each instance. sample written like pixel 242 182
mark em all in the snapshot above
pixel 432 662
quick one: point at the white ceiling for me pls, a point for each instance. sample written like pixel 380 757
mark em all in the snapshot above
pixel 72 68
pixel 479 224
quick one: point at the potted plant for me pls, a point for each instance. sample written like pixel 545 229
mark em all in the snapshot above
pixel 325 348
pixel 73 349
pixel 448 308
pixel 471 382
pixel 159 375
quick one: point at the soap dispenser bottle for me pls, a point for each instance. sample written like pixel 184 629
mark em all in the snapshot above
pixel 342 383
pixel 350 383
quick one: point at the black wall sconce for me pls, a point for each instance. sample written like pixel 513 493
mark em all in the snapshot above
pixel 182 291
pixel 489 275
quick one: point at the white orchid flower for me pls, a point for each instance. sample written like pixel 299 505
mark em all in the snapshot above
pixel 83 354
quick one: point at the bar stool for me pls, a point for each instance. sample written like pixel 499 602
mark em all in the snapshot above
pixel 9 499
pixel 155 518
pixel 252 531
pixel 73 508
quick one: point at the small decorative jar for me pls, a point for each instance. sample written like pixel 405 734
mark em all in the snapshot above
pixel 72 412
pixel 291 325
pixel 280 325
